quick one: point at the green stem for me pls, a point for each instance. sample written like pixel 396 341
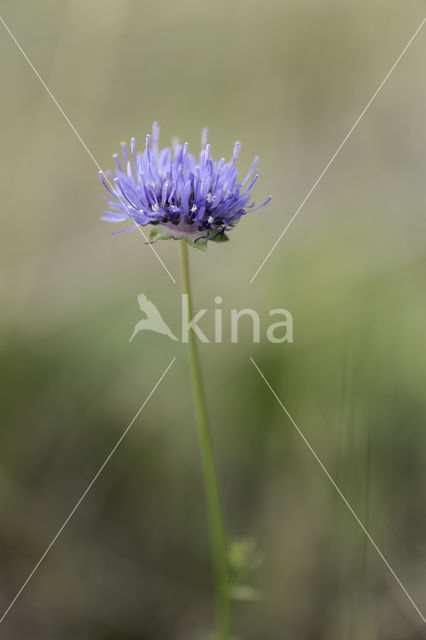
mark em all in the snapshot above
pixel 214 508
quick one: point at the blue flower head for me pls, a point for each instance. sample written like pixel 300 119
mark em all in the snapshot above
pixel 177 195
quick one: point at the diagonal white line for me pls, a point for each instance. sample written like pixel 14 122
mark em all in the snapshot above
pixel 329 163
pixel 80 139
pixel 338 491
pixel 84 494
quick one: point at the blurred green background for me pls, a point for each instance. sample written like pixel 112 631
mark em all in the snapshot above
pixel 288 79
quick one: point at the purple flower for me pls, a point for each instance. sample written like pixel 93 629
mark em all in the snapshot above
pixel 176 194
